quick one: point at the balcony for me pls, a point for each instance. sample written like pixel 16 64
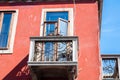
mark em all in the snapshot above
pixel 110 67
pixel 53 56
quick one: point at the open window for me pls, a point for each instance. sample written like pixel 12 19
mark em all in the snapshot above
pixel 56 24
pixel 54 20
pixel 56 28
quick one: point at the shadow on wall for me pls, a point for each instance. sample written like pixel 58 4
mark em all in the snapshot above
pixel 20 72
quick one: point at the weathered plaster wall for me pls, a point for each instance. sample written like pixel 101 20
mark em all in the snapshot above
pixel 13 66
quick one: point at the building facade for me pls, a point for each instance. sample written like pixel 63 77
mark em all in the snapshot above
pixel 49 40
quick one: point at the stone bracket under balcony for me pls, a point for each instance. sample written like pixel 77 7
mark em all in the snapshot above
pixel 53 56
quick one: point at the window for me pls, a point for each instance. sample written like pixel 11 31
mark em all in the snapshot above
pixel 110 67
pixel 5 26
pixel 56 22
pixel 8 21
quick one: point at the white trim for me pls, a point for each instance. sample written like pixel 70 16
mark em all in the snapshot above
pixel 110 56
pixel 75 48
pixel 70 18
pixel 31 50
pixel 11 43
pixel 119 67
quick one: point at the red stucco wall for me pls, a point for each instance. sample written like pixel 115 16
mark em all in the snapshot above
pixel 13 66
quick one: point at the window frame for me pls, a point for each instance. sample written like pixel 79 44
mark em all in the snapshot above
pixel 70 18
pixel 12 30
pixel 109 56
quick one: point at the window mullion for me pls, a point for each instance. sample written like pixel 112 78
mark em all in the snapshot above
pixel 58 28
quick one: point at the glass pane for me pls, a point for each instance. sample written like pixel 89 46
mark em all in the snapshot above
pixel 62 51
pixel 5 29
pixel 50 29
pixel 110 68
pixel 49 51
pixel 63 24
pixel 53 16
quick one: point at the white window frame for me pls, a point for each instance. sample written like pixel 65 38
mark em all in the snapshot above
pixel 110 56
pixel 12 32
pixel 70 18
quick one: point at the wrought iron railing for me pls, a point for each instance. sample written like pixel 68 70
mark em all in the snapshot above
pixel 110 67
pixel 53 48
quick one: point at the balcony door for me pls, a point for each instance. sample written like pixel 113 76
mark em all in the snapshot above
pixel 56 24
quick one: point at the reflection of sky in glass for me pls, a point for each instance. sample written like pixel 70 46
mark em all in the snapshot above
pixel 49 51
pixel 5 29
pixel 63 27
pixel 53 16
pixel 108 67
pixel 110 27
pixel 50 29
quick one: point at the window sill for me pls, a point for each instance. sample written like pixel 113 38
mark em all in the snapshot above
pixel 4 48
pixel 5 51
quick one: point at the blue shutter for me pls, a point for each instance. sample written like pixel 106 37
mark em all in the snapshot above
pixel 5 30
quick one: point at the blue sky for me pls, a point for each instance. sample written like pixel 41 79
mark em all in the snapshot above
pixel 110 27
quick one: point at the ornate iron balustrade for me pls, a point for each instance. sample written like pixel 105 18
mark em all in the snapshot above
pixel 53 48
pixel 110 67
pixel 53 51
